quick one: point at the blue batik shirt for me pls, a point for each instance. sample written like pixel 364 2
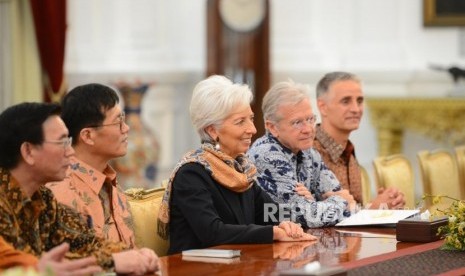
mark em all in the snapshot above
pixel 279 171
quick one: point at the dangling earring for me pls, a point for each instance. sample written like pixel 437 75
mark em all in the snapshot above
pixel 217 144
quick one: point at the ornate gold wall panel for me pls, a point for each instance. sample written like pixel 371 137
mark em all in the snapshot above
pixel 441 119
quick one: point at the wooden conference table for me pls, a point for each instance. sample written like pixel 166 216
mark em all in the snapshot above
pixel 335 246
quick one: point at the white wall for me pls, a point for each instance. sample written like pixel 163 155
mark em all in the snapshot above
pixel 164 41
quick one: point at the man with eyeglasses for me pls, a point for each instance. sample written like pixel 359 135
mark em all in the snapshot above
pixel 35 149
pixel 288 169
pixel 340 102
pixel 97 125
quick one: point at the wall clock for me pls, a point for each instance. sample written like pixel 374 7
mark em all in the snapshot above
pixel 242 15
pixel 238 46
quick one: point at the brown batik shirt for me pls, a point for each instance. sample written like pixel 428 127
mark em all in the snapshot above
pixel 341 161
pixel 38 223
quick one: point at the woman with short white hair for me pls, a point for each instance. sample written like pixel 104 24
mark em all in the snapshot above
pixel 212 197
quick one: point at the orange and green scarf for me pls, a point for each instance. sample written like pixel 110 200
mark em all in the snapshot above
pixel 237 175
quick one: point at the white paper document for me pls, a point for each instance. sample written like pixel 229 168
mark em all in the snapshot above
pixel 364 234
pixel 377 217
pixel 234 260
pixel 212 253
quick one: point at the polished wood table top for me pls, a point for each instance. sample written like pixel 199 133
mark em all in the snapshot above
pixel 335 246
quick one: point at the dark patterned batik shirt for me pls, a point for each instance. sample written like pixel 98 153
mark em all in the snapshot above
pixel 279 171
pixel 38 223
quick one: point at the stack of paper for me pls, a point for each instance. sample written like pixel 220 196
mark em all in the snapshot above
pixel 225 256
pixel 234 260
pixel 212 253
pixel 377 217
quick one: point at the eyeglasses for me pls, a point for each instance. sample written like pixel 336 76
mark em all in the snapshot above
pixel 121 121
pixel 66 142
pixel 299 124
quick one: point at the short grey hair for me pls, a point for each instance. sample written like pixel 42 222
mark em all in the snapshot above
pixel 323 85
pixel 213 100
pixel 283 93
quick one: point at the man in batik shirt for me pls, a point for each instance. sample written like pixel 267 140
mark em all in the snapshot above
pixel 340 102
pixel 35 149
pixel 96 123
pixel 289 174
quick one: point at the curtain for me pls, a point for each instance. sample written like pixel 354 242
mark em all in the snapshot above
pixel 5 51
pixel 20 67
pixel 50 27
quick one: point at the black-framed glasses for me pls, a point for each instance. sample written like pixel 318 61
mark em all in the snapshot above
pixel 65 142
pixel 122 118
pixel 299 124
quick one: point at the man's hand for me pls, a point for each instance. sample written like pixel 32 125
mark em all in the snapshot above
pixel 151 256
pixel 303 191
pixel 55 261
pixel 392 197
pixel 136 261
pixel 345 195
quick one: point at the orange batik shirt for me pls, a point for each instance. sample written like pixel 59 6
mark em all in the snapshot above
pixel 10 257
pixel 99 199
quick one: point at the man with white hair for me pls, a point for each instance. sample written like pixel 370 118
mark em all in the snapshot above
pixel 288 168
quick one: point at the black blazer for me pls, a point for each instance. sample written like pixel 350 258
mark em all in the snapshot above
pixel 203 213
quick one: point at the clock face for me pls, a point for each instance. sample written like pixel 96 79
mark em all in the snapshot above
pixel 242 15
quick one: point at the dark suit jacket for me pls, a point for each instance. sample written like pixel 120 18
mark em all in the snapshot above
pixel 203 213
